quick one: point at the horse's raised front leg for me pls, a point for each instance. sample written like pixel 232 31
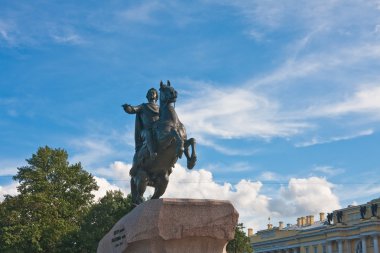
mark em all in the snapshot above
pixel 160 184
pixel 191 158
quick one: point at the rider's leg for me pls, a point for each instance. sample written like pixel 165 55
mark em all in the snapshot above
pixel 150 143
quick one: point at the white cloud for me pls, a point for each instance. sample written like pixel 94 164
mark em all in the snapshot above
pixel 198 184
pixel 224 149
pixel 19 27
pixel 10 189
pixel 318 141
pixel 8 171
pixel 273 15
pixel 9 167
pixel 70 38
pixel 377 29
pixel 365 100
pixel 301 197
pixel 104 186
pixel 305 196
pixel 260 108
pixel 116 176
pixel 91 150
pixel 6 33
pixel 361 190
pixel 269 176
pixel 317 62
pixel 245 195
pixel 141 13
pixel 329 170
pixel 235 113
pixel 257 36
pixel 116 170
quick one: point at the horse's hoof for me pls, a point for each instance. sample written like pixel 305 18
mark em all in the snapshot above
pixel 191 163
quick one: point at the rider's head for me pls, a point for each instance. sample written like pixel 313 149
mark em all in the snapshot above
pixel 152 95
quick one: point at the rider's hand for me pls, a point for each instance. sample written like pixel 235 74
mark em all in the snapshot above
pixel 127 108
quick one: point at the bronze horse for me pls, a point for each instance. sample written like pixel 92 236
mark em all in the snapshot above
pixel 171 142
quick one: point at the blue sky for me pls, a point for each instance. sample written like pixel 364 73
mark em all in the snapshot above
pixel 283 97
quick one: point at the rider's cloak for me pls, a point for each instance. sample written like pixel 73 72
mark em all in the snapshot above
pixel 144 120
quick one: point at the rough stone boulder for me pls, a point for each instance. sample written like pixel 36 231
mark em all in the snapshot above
pixel 173 226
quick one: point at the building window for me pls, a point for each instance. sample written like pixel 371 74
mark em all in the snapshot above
pixel 306 249
pixel 315 249
pixel 324 248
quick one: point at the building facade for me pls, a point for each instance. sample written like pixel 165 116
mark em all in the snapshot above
pixel 355 229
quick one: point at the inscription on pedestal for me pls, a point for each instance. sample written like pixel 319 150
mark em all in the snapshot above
pixel 118 236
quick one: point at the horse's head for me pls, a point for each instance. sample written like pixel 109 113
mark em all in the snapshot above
pixel 167 93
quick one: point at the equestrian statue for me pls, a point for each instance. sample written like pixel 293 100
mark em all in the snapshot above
pixel 160 139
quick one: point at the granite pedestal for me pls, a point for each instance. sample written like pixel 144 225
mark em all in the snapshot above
pixel 173 226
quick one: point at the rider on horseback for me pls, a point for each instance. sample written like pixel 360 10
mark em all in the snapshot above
pixel 146 115
pixel 160 141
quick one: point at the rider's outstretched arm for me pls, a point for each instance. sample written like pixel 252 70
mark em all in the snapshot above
pixel 132 109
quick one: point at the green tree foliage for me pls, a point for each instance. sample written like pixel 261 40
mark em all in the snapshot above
pixel 53 198
pixel 241 243
pixel 100 219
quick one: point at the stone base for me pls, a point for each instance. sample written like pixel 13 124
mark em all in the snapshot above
pixel 173 226
pixel 187 245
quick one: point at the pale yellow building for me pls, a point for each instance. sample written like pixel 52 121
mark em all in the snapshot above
pixel 352 234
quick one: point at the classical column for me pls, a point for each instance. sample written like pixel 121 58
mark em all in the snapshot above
pixel 375 244
pixel 329 247
pixel 348 246
pixel 364 245
pixel 340 246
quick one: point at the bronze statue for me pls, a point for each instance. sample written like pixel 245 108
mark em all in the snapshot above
pixel 339 216
pixel 329 218
pixel 363 210
pixel 146 115
pixel 160 139
pixel 374 209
